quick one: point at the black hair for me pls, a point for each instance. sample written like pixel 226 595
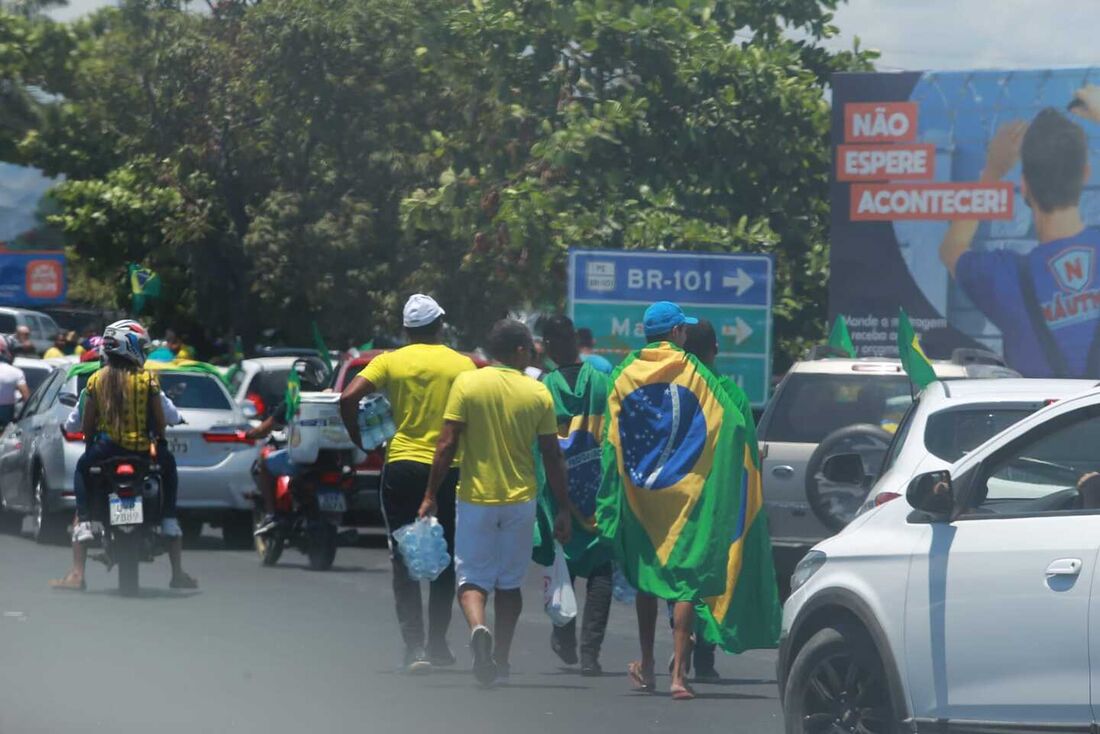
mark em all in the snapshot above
pixel 585 340
pixel 1054 153
pixel 702 341
pixel 427 329
pixel 558 329
pixel 507 336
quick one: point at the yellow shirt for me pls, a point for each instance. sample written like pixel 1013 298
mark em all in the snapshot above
pixel 53 353
pixel 133 431
pixel 416 379
pixel 504 411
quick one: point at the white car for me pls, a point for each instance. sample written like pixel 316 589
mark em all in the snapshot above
pixel 967 607
pixel 946 421
pixel 260 382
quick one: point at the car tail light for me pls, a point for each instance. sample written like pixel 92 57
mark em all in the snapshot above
pixel 124 470
pixel 374 462
pixel 331 477
pixel 256 400
pixel 74 436
pixel 227 437
pixel 884 497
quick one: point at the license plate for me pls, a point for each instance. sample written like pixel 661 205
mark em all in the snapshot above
pixel 178 446
pixel 125 510
pixel 331 502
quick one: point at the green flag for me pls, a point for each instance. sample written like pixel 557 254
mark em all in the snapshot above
pixel 319 345
pixel 673 448
pixel 748 615
pixel 840 339
pixel 293 394
pixel 913 359
pixel 144 286
pixel 579 408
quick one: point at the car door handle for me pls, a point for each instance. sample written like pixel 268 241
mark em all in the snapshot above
pixel 783 472
pixel 1065 567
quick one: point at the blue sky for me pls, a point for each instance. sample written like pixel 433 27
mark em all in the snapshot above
pixel 946 34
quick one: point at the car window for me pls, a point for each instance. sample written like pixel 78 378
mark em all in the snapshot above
pixel 270 385
pixel 953 433
pixel 8 323
pixel 235 381
pixel 39 327
pixel 194 390
pixel 50 389
pixel 1039 472
pixel 900 437
pixel 811 406
pixel 36 375
pixel 36 398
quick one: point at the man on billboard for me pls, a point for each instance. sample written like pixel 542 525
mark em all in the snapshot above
pixel 1045 302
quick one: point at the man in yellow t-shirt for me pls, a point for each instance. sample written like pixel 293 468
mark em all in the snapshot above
pixel 416 379
pixel 497 415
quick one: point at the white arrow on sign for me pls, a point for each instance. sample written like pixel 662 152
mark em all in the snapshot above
pixel 742 281
pixel 740 331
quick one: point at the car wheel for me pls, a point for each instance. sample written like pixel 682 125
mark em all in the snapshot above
pixel 835 505
pixel 48 528
pixel 837 684
pixel 237 531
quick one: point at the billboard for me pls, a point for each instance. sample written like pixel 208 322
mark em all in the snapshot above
pixel 32 278
pixel 968 199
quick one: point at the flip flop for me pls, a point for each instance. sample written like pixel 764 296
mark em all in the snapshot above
pixel 639 680
pixel 185 581
pixel 68 584
pixel 683 694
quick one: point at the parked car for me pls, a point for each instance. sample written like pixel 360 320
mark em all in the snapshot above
pixel 37 460
pixel 43 327
pixel 261 381
pixel 828 406
pixel 969 606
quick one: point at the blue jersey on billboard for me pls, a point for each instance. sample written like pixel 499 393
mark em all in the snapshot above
pixel 1066 291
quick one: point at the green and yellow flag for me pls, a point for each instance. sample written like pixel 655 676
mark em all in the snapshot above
pixel 839 338
pixel 293 396
pixel 673 447
pixel 748 615
pixel 144 285
pixel 319 345
pixel 913 359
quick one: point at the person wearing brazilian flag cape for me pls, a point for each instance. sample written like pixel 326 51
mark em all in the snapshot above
pixel 680 502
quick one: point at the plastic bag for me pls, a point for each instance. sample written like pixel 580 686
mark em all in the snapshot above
pixel 558 598
pixel 423 548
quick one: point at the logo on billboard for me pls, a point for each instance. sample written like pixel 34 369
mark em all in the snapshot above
pixel 45 279
pixel 1072 268
pixel 600 276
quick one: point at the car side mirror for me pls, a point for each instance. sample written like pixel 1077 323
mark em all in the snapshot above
pixel 68 399
pixel 844 469
pixel 933 494
pixel 249 410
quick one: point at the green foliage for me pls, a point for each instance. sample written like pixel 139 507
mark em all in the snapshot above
pixel 292 161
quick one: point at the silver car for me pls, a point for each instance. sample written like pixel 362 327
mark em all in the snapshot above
pixel 37 459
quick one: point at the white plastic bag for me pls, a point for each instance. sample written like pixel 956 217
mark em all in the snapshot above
pixel 423 548
pixel 558 598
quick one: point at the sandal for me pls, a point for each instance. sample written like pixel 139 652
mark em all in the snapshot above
pixel 683 694
pixel 68 583
pixel 183 581
pixel 640 680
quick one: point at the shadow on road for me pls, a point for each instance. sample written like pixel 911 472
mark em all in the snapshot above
pixel 146 594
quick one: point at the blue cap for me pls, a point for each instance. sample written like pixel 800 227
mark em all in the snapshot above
pixel 664 316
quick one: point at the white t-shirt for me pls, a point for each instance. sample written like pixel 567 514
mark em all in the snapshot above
pixel 11 377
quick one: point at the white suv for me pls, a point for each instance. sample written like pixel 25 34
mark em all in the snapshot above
pixel 830 406
pixel 967 607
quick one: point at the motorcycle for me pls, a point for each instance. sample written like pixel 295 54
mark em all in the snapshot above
pixel 310 509
pixel 128 504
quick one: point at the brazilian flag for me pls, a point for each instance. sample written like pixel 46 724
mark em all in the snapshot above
pixel 913 359
pixel 579 408
pixel 748 615
pixel 840 338
pixel 144 285
pixel 293 396
pixel 673 448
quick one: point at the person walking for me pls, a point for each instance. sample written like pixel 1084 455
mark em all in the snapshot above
pixel 495 416
pixel 417 379
pixel 672 449
pixel 579 390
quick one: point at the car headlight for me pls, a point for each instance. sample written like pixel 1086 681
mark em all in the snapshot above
pixel 810 564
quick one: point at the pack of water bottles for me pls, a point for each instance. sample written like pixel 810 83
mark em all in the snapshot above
pixel 376 421
pixel 423 548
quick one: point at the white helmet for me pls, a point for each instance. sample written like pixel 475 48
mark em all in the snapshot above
pixel 127 339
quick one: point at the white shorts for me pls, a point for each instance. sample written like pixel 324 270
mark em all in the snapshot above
pixel 493 544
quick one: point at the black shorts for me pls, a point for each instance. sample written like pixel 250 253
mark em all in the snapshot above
pixel 403 486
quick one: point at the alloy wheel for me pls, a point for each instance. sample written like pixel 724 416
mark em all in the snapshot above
pixel 845 697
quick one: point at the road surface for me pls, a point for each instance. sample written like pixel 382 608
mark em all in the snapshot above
pixel 285 649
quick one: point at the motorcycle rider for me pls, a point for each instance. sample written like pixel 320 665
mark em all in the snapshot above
pixel 277 463
pixel 122 406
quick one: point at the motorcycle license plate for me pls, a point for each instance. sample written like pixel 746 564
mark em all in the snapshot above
pixel 125 510
pixel 331 502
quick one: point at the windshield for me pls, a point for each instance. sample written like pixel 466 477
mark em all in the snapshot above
pixel 951 434
pixel 36 376
pixel 811 406
pixel 191 390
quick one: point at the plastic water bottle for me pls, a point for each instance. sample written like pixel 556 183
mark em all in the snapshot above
pixel 366 413
pixel 389 428
pixel 437 530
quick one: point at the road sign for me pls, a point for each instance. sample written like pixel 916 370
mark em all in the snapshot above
pixel 609 291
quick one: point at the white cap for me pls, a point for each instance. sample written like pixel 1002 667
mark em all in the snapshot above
pixel 421 310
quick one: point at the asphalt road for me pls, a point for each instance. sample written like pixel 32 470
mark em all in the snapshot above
pixel 289 650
